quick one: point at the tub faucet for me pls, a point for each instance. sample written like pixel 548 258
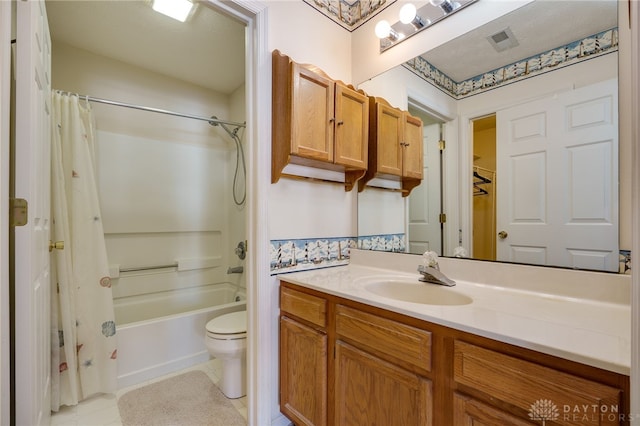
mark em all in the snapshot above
pixel 434 276
pixel 235 270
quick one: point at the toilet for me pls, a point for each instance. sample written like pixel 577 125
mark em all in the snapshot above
pixel 227 340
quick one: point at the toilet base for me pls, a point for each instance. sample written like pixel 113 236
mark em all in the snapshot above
pixel 233 382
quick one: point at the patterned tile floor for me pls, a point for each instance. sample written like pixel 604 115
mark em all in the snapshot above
pixel 103 410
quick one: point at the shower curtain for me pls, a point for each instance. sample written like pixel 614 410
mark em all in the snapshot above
pixel 83 342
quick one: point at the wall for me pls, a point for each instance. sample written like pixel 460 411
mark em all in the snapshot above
pixel 301 209
pixel 164 182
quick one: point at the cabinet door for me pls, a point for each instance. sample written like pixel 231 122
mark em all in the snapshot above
pixel 303 373
pixel 390 129
pixel 412 161
pixel 470 412
pixel 370 391
pixel 312 114
pixel 352 127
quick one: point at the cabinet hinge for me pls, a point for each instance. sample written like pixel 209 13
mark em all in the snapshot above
pixel 18 212
pixel 441 144
pixel 443 218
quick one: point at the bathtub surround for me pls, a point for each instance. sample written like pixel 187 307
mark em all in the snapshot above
pixel 187 399
pixel 84 348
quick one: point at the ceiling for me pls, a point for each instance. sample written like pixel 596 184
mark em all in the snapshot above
pixel 207 50
pixel 539 26
pixel 204 50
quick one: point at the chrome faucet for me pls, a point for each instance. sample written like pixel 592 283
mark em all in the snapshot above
pixel 235 270
pixel 433 275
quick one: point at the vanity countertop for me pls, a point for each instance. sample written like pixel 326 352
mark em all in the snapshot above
pixel 592 330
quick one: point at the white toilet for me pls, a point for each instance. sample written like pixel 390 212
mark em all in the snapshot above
pixel 227 340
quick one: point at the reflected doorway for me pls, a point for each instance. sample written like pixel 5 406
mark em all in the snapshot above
pixel 424 224
pixel 484 188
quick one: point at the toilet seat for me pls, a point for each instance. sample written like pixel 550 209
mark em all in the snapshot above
pixel 228 326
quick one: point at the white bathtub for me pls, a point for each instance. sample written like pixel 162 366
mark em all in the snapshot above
pixel 150 347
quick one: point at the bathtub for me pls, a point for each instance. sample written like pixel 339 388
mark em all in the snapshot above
pixel 150 346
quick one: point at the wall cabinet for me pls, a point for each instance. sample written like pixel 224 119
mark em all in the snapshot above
pixel 395 146
pixel 317 121
pixel 364 365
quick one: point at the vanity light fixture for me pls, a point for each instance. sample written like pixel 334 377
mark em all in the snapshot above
pixel 177 9
pixel 409 15
pixel 447 6
pixel 384 31
pixel 413 20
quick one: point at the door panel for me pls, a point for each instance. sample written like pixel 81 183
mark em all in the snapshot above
pixel 32 153
pixel 352 127
pixel 557 172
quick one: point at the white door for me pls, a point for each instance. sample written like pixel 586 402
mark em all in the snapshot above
pixel 424 200
pixel 32 171
pixel 557 180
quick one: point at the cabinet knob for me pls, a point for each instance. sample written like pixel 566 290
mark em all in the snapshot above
pixel 331 120
pixel 340 123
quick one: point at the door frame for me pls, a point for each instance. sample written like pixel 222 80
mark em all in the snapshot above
pixel 6 28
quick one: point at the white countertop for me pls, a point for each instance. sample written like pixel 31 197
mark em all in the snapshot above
pixel 593 330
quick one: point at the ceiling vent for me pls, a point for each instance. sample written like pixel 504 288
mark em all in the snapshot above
pixel 503 40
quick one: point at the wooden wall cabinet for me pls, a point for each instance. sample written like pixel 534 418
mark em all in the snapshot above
pixel 364 365
pixel 317 121
pixel 395 146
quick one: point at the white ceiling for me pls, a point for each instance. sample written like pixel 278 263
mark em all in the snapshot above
pixel 539 26
pixel 207 50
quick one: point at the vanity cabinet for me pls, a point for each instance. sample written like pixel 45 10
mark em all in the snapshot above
pixel 364 365
pixel 395 146
pixel 317 122
pixel 303 358
pixel 378 359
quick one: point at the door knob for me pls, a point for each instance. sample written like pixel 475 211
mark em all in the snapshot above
pixel 503 235
pixel 58 245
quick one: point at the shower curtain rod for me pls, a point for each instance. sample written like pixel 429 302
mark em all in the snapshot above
pixel 210 120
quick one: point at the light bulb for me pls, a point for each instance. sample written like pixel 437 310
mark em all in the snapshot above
pixel 408 13
pixel 383 29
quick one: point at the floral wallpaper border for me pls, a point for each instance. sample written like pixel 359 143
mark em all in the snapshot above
pixel 349 14
pixel 315 253
pixel 580 50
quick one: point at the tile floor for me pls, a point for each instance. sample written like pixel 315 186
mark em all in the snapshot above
pixel 103 410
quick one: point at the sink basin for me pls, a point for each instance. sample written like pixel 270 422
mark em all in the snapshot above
pixel 428 294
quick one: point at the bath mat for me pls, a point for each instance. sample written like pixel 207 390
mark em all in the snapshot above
pixel 189 399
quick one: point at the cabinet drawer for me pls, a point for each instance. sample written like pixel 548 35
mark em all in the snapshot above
pixel 304 306
pixel 386 338
pixel 524 384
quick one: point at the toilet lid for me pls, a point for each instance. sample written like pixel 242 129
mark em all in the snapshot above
pixel 233 323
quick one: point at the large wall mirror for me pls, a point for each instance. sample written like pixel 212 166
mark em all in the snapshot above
pixel 528 107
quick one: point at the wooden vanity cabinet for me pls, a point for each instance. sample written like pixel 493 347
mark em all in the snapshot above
pixel 395 146
pixel 378 359
pixel 317 122
pixel 303 358
pixel 373 366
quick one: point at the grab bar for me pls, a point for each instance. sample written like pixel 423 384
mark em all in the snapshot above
pixel 147 268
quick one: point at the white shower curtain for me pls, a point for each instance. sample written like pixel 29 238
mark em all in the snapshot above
pixel 83 342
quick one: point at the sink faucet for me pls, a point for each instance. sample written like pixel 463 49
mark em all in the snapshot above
pixel 431 271
pixel 434 276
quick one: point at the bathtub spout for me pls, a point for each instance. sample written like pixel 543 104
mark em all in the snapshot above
pixel 235 270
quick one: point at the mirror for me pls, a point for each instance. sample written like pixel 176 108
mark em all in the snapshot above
pixel 527 105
